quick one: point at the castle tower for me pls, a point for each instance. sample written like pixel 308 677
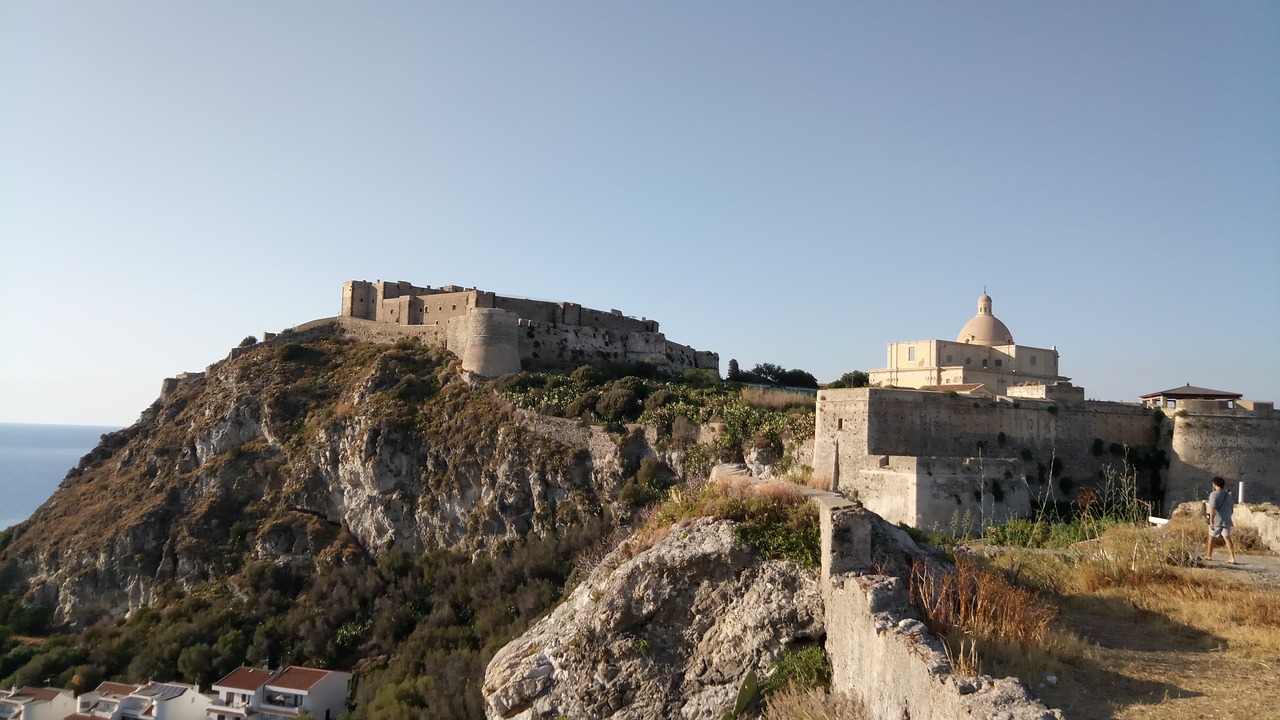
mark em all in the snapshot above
pixel 486 341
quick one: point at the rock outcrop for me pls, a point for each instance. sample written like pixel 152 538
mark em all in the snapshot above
pixel 302 451
pixel 669 633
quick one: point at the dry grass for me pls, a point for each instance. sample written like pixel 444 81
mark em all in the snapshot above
pixel 813 704
pixel 975 611
pixel 727 498
pixel 1163 638
pixel 778 399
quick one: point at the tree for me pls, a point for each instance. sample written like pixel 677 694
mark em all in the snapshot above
pixel 854 379
pixel 734 371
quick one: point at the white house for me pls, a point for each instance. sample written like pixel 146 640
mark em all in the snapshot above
pixel 32 703
pixel 274 695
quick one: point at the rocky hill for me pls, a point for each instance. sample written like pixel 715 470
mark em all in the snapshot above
pixel 302 452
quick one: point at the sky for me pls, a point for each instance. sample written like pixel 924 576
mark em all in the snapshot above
pixel 796 183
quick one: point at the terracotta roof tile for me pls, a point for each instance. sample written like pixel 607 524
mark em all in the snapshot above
pixel 298 678
pixel 246 678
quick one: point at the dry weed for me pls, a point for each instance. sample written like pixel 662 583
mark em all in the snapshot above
pixel 813 704
pixel 981 604
pixel 778 399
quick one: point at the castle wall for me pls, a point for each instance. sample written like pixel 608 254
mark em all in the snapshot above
pixel 495 335
pixel 442 307
pixel 359 300
pixel 924 457
pixel 485 341
pixel 567 347
pixel 1236 445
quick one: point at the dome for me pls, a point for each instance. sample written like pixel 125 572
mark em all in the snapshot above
pixel 985 328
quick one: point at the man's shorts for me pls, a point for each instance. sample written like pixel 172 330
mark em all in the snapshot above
pixel 1220 532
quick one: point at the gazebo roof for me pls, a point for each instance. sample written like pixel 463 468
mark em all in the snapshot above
pixel 1191 392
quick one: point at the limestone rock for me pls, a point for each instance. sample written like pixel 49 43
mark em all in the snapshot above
pixel 669 633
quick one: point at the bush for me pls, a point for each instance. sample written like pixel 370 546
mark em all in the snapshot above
pixel 807 668
pixel 854 379
pixel 248 341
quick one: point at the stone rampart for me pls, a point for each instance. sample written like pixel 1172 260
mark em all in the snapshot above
pixel 494 334
pixel 1238 445
pixel 935 460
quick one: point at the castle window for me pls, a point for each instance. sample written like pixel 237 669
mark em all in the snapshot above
pixel 999 362
pixel 984 362
pixel 455 307
pixel 840 423
pixel 911 353
pixel 968 361
pixel 1033 359
pixel 948 358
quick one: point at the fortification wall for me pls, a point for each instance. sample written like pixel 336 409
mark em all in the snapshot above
pixel 485 341
pixel 931 459
pixel 880 651
pixel 1237 445
pixel 383 333
pixel 567 347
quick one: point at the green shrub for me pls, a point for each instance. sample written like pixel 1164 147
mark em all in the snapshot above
pixel 807 668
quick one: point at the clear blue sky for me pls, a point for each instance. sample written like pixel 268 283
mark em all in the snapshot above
pixel 787 182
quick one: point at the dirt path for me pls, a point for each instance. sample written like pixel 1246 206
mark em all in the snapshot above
pixel 1144 664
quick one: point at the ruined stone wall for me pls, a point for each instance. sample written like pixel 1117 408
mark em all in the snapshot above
pixel 1237 445
pixel 880 652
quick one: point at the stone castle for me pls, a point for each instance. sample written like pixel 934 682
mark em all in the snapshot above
pixel 984 429
pixel 494 334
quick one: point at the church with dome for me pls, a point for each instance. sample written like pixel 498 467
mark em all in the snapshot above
pixel 983 360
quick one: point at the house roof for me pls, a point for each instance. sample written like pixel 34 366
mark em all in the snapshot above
pixel 35 693
pixel 115 688
pixel 162 691
pixel 246 678
pixel 1192 392
pixel 298 678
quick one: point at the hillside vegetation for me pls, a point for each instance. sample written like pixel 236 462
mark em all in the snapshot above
pixel 322 501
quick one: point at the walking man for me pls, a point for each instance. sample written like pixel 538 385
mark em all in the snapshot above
pixel 1220 505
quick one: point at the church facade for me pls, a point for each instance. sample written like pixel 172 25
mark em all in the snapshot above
pixel 983 353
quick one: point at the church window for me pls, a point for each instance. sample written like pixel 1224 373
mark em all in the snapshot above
pixel 911 353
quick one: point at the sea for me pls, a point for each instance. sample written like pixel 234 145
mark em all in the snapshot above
pixel 33 461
